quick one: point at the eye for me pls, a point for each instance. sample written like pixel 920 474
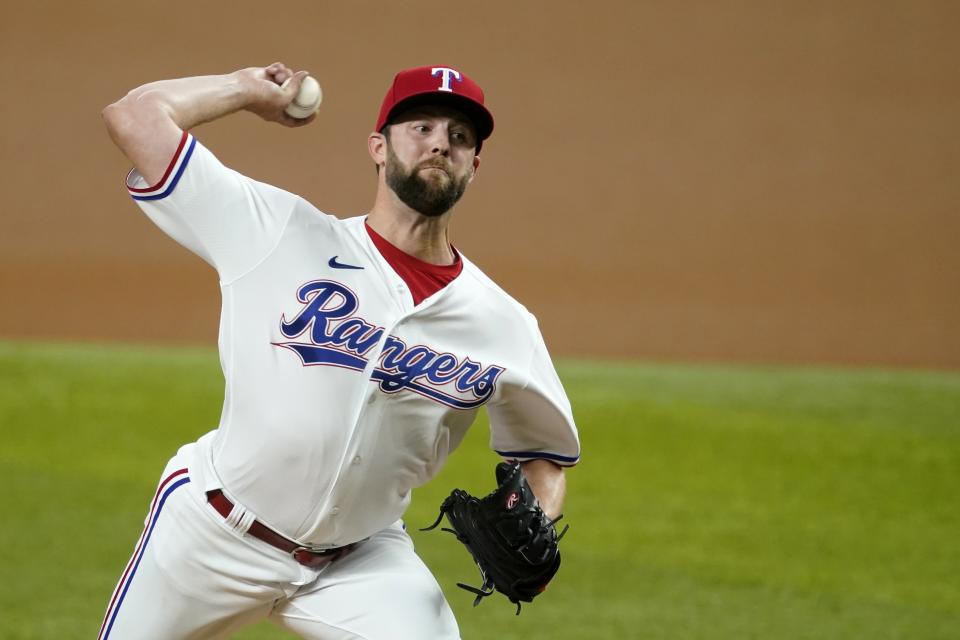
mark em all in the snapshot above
pixel 421 128
pixel 461 137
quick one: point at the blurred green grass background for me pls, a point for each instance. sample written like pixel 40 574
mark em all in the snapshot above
pixel 712 501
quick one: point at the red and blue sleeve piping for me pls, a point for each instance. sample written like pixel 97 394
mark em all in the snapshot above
pixel 171 176
pixel 522 456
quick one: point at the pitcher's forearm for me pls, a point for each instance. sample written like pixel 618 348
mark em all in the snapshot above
pixel 191 101
pixel 549 484
pixel 148 122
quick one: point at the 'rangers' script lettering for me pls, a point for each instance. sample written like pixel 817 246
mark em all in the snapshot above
pixel 338 338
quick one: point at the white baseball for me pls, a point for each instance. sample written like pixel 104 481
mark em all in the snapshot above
pixel 308 99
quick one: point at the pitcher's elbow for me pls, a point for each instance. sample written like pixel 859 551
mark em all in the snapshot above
pixel 115 117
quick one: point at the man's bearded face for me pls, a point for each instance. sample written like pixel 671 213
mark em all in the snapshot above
pixel 429 187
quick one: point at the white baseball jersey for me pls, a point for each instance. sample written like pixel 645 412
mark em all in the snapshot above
pixel 341 395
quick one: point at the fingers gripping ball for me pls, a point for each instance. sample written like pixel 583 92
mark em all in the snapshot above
pixel 510 538
pixel 307 101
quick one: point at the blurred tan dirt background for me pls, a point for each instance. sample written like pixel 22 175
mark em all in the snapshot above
pixel 752 181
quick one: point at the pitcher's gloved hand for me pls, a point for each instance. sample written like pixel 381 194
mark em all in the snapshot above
pixel 510 538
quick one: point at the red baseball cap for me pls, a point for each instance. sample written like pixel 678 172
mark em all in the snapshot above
pixel 437 85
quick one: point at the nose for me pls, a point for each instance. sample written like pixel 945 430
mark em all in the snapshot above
pixel 440 141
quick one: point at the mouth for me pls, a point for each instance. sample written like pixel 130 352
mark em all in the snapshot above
pixel 435 168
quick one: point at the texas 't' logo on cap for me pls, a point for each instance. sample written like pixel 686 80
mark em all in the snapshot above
pixel 437 84
pixel 447 74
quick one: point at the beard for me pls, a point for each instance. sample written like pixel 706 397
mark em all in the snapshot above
pixel 431 198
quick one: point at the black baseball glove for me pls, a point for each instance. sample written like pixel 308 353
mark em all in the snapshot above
pixel 510 538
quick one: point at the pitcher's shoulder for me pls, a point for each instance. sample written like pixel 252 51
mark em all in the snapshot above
pixel 496 296
pixel 307 215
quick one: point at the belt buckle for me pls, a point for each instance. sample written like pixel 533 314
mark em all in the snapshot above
pixel 313 558
pixel 315 551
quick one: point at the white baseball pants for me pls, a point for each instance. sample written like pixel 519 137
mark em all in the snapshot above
pixel 193 575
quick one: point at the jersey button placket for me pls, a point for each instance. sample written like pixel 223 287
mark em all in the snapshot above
pixel 405 300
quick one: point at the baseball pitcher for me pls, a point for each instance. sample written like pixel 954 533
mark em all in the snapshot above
pixel 356 354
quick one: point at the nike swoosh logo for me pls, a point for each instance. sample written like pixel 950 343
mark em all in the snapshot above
pixel 339 265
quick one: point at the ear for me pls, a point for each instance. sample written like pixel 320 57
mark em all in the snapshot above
pixel 377 148
pixel 476 167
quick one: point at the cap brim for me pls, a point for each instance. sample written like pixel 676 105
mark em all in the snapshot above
pixel 477 113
